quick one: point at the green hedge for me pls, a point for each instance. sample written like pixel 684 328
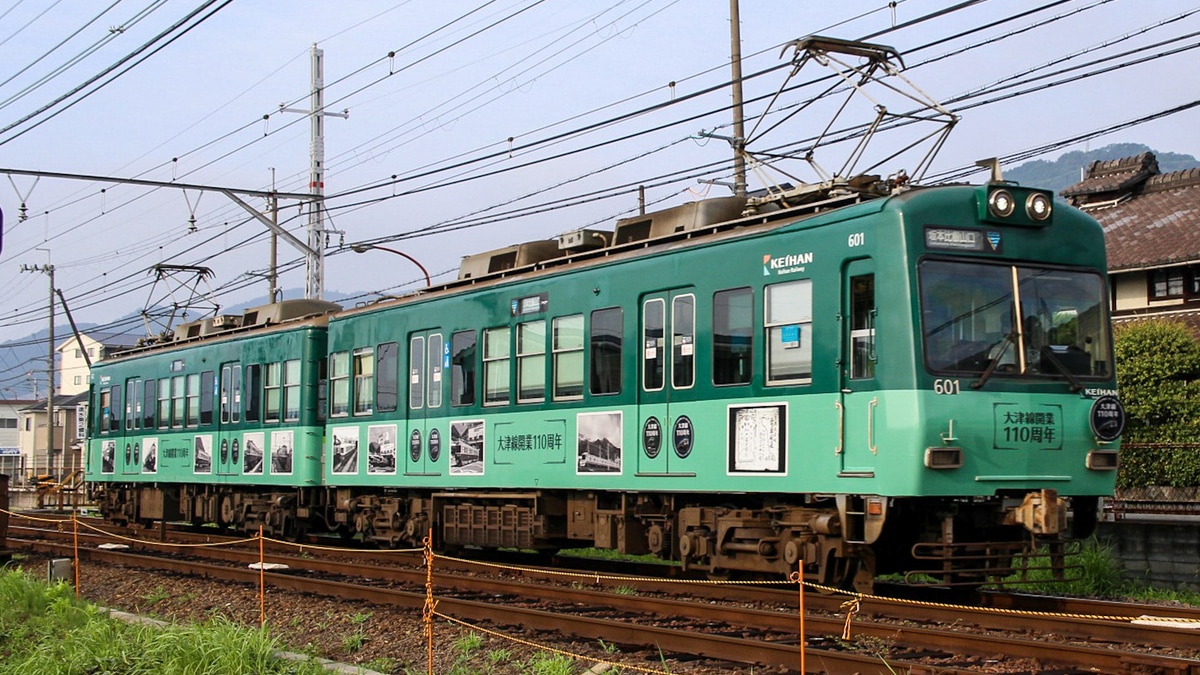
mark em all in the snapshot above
pixel 1158 372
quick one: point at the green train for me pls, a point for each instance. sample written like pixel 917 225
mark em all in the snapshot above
pixel 867 379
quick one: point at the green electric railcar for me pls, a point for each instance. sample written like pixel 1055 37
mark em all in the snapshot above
pixel 224 429
pixel 862 384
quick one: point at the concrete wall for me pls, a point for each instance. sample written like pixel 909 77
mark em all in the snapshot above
pixel 1161 553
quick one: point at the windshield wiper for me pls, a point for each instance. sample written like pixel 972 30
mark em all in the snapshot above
pixel 1008 339
pixel 1048 355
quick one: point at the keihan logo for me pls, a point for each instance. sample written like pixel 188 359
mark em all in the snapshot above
pixel 786 264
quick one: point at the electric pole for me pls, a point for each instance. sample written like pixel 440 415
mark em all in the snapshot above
pixel 739 124
pixel 49 270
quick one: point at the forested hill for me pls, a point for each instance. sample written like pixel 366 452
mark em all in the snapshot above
pixel 1065 171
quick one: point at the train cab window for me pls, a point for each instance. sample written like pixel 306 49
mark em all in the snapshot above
pixel 607 329
pixel 683 341
pixel 434 377
pixel 653 327
pixel 364 380
pixel 733 336
pixel 567 345
pixel 131 392
pixel 193 400
pixel 208 381
pixel 291 390
pixel 339 384
pixel 788 320
pixel 496 368
pixel 387 392
pixel 164 403
pixel 272 392
pixel 150 390
pixel 862 327
pixel 462 368
pixel 253 393
pixel 968 313
pixel 177 405
pixel 416 372
pixel 531 362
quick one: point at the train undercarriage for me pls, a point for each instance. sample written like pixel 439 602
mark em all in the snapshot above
pixel 840 540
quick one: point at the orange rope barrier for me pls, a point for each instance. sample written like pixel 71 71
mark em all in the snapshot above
pixel 262 582
pixel 427 611
pixel 798 577
pixel 75 523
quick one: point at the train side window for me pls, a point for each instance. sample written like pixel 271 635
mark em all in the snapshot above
pixel 568 357
pixel 607 329
pixel 226 399
pixel 291 390
pixel 131 392
pixel 193 400
pixel 683 341
pixel 253 393
pixel 105 410
pixel 164 403
pixel 531 361
pixel 733 336
pixel 364 380
pixel 789 332
pixel 462 368
pixel 862 327
pixel 237 393
pixel 150 390
pixel 387 391
pixel 208 382
pixel 653 360
pixel 272 392
pixel 322 390
pixel 416 372
pixel 434 381
pixel 339 384
pixel 496 367
pixel 177 408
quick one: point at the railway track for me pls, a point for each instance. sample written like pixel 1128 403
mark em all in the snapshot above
pixel 742 632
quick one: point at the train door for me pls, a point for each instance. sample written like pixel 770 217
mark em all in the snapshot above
pixel 667 376
pixel 428 359
pixel 859 396
pixel 131 458
pixel 228 460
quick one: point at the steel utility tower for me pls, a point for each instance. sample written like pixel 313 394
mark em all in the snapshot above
pixel 314 284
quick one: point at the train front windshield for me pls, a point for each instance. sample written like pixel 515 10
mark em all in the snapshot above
pixel 970 311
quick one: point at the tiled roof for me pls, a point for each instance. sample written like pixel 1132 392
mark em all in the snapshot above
pixel 1149 219
pixel 1114 175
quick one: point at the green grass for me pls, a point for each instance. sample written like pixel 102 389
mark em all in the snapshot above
pixel 613 554
pixel 44 630
pixel 1102 578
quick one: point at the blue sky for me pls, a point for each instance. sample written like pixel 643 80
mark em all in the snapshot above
pixel 465 77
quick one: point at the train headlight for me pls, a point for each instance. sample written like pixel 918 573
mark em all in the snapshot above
pixel 1038 206
pixel 1001 203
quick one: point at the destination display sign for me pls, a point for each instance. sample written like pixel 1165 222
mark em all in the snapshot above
pixel 958 239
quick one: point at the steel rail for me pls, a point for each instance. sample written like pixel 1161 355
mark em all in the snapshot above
pixel 922 640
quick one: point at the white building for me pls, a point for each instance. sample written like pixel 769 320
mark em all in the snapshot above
pixel 73 370
pixel 11 461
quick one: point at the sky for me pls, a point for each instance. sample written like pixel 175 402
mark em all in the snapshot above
pixel 474 125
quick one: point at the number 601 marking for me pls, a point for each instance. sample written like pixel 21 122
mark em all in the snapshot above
pixel 945 386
